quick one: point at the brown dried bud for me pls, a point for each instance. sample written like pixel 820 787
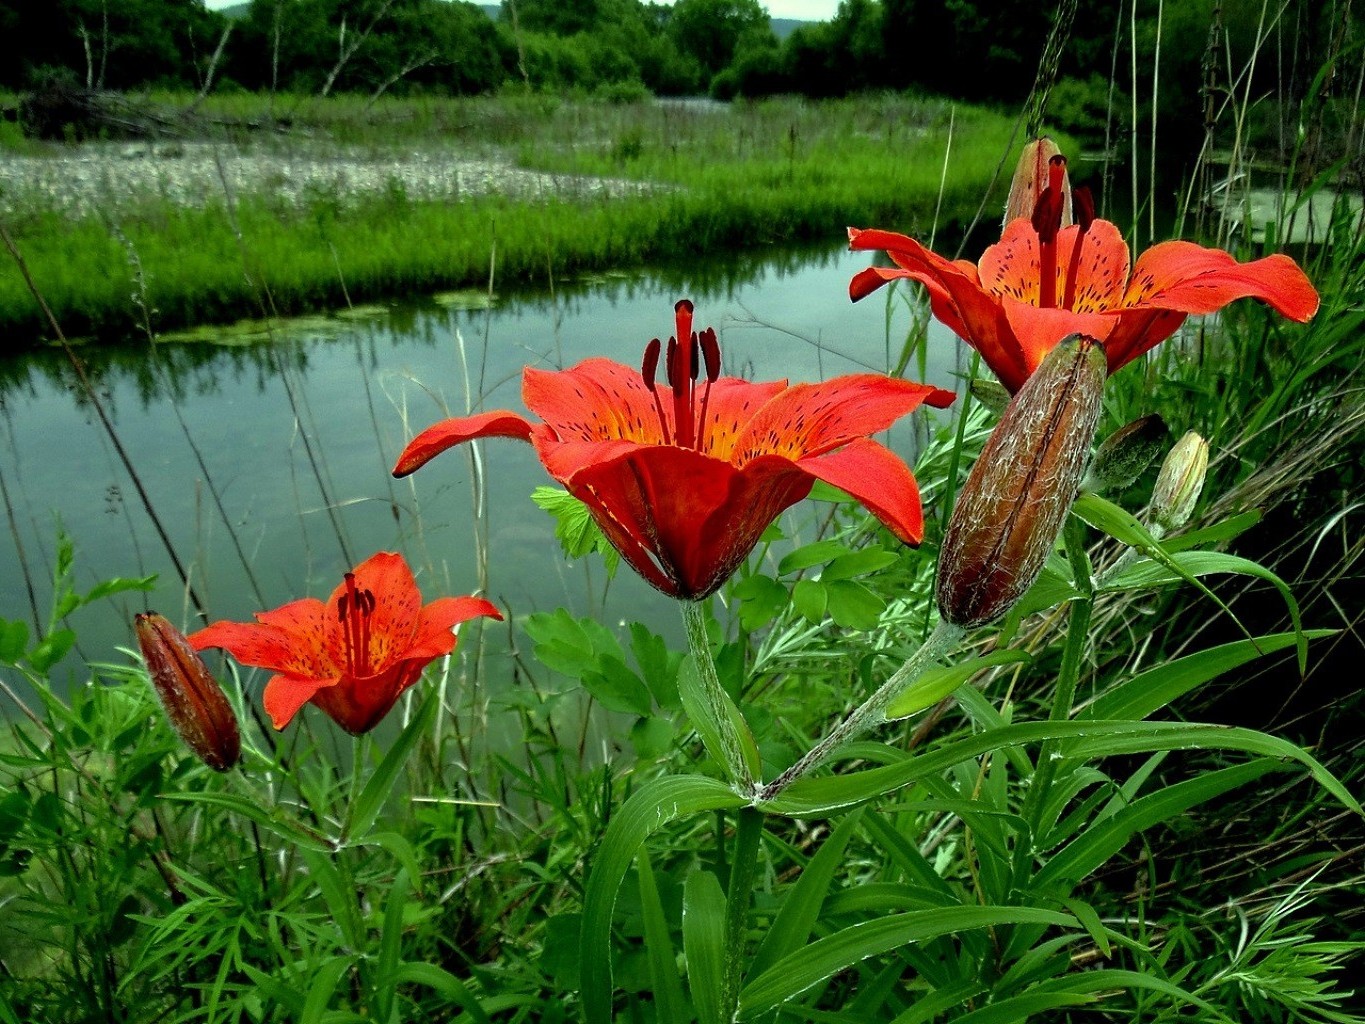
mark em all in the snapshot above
pixel 1125 454
pixel 1031 177
pixel 1017 496
pixel 194 702
pixel 1180 482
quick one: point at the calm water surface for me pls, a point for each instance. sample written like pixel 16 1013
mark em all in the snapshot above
pixel 297 437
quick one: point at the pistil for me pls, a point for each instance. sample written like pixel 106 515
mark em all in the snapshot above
pixel 1047 221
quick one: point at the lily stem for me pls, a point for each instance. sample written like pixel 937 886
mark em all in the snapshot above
pixel 872 712
pixel 713 713
pixel 1063 700
pixel 748 834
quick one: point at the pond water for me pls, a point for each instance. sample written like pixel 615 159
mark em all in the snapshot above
pixel 268 461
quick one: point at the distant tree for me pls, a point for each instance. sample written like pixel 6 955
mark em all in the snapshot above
pixel 556 17
pixel 710 30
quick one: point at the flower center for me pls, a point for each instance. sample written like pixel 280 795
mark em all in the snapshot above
pixel 353 612
pixel 686 353
pixel 1047 221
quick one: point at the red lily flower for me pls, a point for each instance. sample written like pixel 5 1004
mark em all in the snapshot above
pixel 354 655
pixel 1043 282
pixel 684 483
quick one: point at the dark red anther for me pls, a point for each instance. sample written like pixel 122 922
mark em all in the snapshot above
pixel 651 363
pixel 710 351
pixel 671 362
pixel 695 359
pixel 354 609
pixel 1083 205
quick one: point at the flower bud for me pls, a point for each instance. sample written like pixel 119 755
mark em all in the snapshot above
pixel 1180 482
pixel 194 702
pixel 1125 454
pixel 1017 496
pixel 1031 177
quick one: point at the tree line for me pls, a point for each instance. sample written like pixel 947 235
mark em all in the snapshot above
pixel 981 50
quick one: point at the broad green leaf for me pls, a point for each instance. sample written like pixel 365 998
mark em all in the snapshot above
pixel 937 683
pixel 858 563
pixel 658 665
pixel 390 946
pixel 812 964
pixel 1218 533
pixel 651 807
pixel 761 599
pixel 51 649
pixel 1107 980
pixel 13 640
pixel 811 554
pixel 1152 690
pixel 852 605
pixel 669 1002
pixel 380 785
pixel 801 907
pixel 703 928
pixel 810 597
pixel 616 687
pixel 651 737
pixel 443 982
pixel 575 529
pixel 1016 1009
pixel 928 1008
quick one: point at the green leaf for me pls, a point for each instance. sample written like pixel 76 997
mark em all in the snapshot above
pixel 658 665
pixel 51 649
pixel 326 978
pixel 801 907
pixel 824 958
pixel 1023 1007
pixel 569 645
pixel 444 983
pixel 858 563
pixel 390 946
pixel 761 599
pixel 670 1004
pixel 809 597
pixel 616 687
pixel 820 797
pixel 13 640
pixel 273 820
pixel 575 529
pixel 379 785
pixel 652 738
pixel 811 554
pixel 852 605
pixel 703 928
pixel 118 585
pixel 651 807
pixel 937 683
pixel 1152 690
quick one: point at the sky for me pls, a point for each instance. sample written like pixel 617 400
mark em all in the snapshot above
pixel 804 10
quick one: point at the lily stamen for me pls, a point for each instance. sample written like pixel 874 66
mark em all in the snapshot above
pixel 354 609
pixel 710 352
pixel 1083 205
pixel 647 371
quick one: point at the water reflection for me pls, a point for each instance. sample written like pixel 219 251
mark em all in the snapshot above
pixel 268 461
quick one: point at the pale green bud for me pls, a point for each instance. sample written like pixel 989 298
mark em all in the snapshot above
pixel 1180 482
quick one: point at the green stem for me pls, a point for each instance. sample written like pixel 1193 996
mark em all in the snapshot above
pixel 717 713
pixel 872 712
pixel 1073 654
pixel 748 834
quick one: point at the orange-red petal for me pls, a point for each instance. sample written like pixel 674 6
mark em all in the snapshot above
pixel 448 433
pixel 433 637
pixel 1189 278
pixel 597 400
pixel 391 624
pixel 879 480
pixel 285 694
pixel 810 419
pixel 289 639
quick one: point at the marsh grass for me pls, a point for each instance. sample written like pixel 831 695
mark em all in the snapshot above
pixel 710 179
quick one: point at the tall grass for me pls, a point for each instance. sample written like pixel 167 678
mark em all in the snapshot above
pixel 711 179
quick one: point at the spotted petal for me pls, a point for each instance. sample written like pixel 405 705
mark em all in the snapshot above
pixel 879 480
pixel 1192 279
pixel 597 400
pixel 285 695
